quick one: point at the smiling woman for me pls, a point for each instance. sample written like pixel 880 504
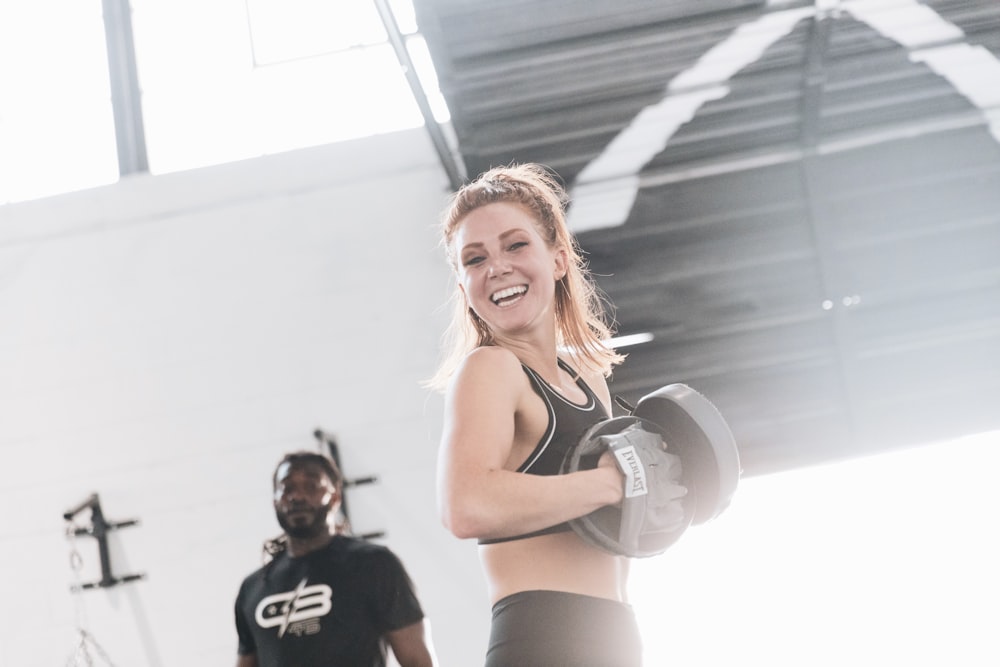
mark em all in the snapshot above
pixel 524 379
pixel 886 560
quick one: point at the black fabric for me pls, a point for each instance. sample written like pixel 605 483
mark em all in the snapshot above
pixel 556 629
pixel 328 608
pixel 567 424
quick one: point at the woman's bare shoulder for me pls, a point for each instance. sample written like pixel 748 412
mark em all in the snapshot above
pixel 488 364
pixel 487 388
pixel 489 359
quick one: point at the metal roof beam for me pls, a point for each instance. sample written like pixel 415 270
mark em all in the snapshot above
pixel 125 95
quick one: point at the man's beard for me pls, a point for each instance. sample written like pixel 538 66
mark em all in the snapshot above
pixel 300 529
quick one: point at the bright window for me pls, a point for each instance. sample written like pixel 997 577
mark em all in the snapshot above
pixel 220 80
pixel 56 124
pixel 885 560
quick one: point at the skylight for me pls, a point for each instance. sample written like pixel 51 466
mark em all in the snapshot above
pixel 220 81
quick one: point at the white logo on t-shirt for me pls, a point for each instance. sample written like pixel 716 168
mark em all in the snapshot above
pixel 297 611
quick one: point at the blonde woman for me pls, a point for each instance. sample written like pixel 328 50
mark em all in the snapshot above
pixel 524 378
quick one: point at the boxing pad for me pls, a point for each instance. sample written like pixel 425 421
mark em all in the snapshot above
pixel 681 468
pixel 695 430
pixel 652 514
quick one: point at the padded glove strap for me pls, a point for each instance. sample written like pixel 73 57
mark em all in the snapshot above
pixel 653 488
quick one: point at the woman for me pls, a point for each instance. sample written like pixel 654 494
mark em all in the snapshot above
pixel 525 379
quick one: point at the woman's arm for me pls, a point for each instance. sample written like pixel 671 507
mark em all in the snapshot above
pixel 478 496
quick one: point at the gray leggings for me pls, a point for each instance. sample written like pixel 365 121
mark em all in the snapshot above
pixel 556 629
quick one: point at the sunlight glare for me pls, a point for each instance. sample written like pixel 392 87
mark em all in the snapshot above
pixel 56 123
pixel 888 559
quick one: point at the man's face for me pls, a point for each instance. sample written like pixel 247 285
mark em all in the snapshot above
pixel 303 498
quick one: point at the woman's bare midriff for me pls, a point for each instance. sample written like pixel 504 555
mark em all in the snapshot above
pixel 556 562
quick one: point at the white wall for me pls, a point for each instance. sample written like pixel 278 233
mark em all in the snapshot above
pixel 165 340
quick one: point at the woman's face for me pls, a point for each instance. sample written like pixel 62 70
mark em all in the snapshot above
pixel 505 268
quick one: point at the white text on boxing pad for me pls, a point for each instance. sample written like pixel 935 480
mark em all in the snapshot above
pixel 635 474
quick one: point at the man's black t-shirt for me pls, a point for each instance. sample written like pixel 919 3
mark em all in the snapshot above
pixel 327 608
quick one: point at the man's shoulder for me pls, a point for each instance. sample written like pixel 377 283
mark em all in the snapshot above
pixel 357 553
pixel 253 585
pixel 342 550
pixel 356 547
pixel 258 574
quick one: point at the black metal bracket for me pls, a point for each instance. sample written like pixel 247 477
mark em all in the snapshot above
pixel 99 528
pixel 328 441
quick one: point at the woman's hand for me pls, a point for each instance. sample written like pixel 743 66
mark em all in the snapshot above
pixel 614 476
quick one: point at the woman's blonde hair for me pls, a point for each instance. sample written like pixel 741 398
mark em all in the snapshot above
pixel 582 321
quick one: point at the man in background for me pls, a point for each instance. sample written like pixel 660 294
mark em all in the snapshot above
pixel 326 599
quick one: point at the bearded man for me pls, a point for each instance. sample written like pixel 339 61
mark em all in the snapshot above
pixel 326 598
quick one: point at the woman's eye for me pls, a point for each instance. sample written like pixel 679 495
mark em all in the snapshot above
pixel 518 244
pixel 472 261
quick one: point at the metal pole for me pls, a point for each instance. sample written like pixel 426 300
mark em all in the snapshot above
pixel 130 133
pixel 451 166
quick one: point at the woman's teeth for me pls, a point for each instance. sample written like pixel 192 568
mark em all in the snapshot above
pixel 499 296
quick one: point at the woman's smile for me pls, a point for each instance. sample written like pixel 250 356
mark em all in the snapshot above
pixel 508 296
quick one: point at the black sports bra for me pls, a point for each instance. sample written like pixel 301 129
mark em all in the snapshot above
pixel 568 421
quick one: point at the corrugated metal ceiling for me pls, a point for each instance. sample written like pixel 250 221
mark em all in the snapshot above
pixel 800 201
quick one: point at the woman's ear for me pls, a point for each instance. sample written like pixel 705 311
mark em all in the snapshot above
pixel 562 263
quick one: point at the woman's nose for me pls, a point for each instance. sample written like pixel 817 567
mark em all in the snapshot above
pixel 498 267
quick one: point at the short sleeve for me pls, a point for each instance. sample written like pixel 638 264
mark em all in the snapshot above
pixel 395 603
pixel 247 644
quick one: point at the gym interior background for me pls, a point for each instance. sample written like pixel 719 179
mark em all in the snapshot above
pixel 219 234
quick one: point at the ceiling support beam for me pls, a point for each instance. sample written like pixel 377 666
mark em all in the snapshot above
pixel 845 351
pixel 451 164
pixel 126 102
